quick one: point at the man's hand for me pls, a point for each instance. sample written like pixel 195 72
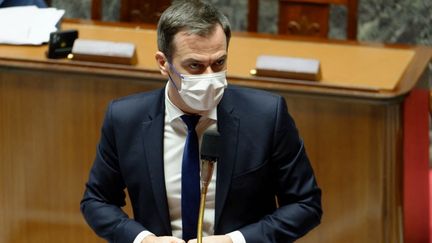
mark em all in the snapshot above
pixel 162 239
pixel 214 239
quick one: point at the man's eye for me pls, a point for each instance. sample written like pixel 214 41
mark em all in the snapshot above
pixel 220 62
pixel 195 66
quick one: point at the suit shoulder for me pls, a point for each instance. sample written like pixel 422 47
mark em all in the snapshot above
pixel 253 104
pixel 139 103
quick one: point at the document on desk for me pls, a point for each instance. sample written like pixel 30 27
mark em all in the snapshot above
pixel 28 25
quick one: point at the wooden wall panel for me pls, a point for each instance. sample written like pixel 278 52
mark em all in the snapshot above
pixel 311 17
pixel 347 142
pixel 49 129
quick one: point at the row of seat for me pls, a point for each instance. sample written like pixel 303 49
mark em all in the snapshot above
pixel 296 17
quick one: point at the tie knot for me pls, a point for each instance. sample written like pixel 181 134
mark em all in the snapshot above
pixel 191 121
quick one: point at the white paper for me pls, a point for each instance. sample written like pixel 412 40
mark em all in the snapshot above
pixel 28 25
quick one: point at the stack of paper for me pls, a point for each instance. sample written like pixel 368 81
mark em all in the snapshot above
pixel 28 25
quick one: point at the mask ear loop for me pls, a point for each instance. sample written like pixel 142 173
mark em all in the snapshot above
pixel 176 72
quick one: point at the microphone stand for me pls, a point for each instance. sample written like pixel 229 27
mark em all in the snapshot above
pixel 210 147
pixel 206 175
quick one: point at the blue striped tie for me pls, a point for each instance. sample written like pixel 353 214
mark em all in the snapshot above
pixel 190 188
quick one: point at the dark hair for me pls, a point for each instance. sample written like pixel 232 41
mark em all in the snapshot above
pixel 194 16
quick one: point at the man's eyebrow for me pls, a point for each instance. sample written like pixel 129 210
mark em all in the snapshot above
pixel 191 59
pixel 222 57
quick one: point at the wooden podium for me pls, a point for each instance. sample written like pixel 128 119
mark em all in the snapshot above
pixel 352 123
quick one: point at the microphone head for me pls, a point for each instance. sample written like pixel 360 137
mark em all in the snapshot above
pixel 210 146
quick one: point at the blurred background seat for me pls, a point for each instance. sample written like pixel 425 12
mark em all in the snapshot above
pixel 133 10
pixel 306 17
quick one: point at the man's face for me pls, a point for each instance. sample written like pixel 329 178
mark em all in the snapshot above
pixel 193 54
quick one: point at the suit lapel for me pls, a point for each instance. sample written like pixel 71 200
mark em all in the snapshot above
pixel 152 136
pixel 228 125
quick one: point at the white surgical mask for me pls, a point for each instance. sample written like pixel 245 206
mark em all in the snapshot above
pixel 201 92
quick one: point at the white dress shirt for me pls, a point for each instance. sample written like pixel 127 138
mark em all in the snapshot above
pixel 175 132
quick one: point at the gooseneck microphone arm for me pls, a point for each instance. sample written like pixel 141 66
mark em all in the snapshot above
pixel 209 156
pixel 208 166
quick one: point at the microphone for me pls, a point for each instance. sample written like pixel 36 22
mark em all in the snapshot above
pixel 210 148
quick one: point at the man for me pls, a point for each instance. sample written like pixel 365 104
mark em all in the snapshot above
pixel 142 149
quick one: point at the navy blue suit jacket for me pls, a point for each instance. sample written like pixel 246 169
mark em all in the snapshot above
pixel 262 156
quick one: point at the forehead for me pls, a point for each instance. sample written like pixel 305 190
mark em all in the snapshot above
pixel 196 46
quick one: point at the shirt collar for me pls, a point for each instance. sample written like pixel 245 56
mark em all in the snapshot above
pixel 172 112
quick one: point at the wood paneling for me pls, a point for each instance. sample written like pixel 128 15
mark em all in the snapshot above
pixel 50 123
pixel 134 10
pixel 353 147
pixel 311 17
pixel 306 17
pixel 253 13
pixel 143 11
pixel 303 19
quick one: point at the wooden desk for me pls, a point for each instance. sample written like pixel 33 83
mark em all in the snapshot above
pixel 51 113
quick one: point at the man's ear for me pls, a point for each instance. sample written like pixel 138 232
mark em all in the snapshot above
pixel 162 63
